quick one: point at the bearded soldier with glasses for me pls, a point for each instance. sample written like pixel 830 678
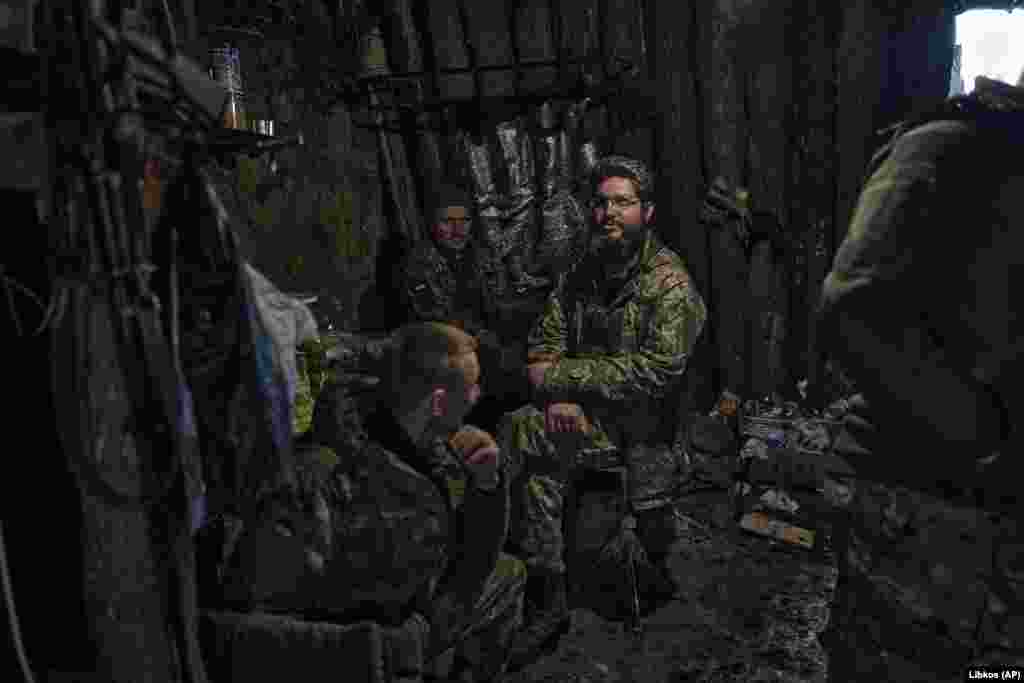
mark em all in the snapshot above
pixel 613 341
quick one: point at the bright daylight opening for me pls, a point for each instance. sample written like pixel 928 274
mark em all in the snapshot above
pixel 989 43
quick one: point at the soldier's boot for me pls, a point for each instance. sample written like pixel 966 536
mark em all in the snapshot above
pixel 661 587
pixel 547 618
pixel 659 540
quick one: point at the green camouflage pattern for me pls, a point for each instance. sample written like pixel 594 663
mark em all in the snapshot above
pixel 302 410
pixel 311 362
pixel 440 288
pixel 365 530
pixel 541 464
pixel 620 358
pixel 374 536
pixel 481 630
pixel 620 361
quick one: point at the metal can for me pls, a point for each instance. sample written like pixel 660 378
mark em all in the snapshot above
pixel 234 112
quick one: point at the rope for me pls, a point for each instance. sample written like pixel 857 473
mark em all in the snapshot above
pixel 10 284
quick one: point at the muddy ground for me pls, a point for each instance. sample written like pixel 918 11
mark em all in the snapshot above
pixel 749 609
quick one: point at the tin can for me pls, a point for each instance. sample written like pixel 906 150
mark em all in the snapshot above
pixel 152 185
pixel 234 112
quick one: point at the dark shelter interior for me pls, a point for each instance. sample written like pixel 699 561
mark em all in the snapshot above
pixel 221 213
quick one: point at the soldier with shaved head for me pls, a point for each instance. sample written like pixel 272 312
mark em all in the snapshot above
pixel 405 526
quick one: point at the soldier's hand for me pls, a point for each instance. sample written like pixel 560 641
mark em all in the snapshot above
pixel 566 418
pixel 479 453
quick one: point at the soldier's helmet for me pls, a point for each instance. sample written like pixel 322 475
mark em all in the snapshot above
pixel 624 167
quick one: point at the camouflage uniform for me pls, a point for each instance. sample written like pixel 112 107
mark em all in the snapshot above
pixel 931 561
pixel 391 533
pixel 455 289
pixel 618 357
pixel 441 288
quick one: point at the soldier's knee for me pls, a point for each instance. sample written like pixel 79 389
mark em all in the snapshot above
pixel 547 494
pixel 517 433
pixel 524 418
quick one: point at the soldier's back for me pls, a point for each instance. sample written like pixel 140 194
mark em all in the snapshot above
pixel 931 571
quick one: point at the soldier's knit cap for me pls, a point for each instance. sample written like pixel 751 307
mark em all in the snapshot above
pixel 446 194
pixel 624 167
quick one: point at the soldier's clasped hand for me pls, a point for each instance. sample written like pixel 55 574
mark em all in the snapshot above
pixel 479 453
pixel 566 418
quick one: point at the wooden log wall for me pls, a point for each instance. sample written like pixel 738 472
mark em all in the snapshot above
pixel 781 99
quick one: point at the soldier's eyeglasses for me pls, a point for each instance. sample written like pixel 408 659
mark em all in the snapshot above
pixel 617 203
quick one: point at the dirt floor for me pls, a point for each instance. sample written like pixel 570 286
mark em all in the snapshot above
pixel 749 609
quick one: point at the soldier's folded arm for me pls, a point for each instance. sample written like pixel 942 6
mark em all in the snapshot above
pixel 647 373
pixel 483 521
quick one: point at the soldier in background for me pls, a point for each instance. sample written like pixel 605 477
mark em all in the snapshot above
pixel 919 310
pixel 608 350
pixel 444 281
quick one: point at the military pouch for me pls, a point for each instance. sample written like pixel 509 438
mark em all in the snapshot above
pixel 421 296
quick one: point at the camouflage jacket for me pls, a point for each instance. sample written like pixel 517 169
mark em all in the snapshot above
pixel 378 533
pixel 436 288
pixel 439 288
pixel 620 353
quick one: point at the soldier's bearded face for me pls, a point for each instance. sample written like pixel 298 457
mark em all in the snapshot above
pixel 451 229
pixel 619 217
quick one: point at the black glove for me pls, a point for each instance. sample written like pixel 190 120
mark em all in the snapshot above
pixel 490 353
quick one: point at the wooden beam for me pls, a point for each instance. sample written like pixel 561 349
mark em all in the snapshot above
pixel 470 48
pixel 484 68
pixel 557 37
pixel 673 32
pixel 431 65
pixel 512 23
